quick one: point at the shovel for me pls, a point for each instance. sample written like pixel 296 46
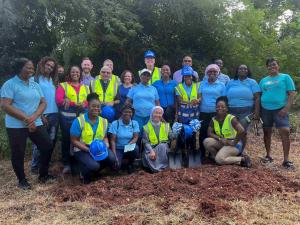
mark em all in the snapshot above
pixel 175 159
pixel 194 159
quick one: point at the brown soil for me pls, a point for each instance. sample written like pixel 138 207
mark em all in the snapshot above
pixel 210 186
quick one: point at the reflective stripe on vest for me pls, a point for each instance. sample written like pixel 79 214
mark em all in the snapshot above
pixel 163 133
pixel 227 130
pixel 87 133
pixel 194 93
pixel 71 94
pixel 110 93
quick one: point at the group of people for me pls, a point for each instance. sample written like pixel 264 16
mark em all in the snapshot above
pixel 134 114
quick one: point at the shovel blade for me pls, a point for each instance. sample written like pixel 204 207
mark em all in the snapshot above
pixel 175 160
pixel 194 159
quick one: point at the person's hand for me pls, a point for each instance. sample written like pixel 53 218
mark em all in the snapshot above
pixel 230 142
pixel 32 127
pixel 45 121
pixel 283 112
pixel 109 103
pixel 66 104
pixel 195 102
pixel 152 155
pixel 223 141
pixel 256 116
pixel 29 120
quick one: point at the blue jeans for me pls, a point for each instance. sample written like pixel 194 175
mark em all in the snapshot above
pixel 131 156
pixel 88 165
pixel 52 132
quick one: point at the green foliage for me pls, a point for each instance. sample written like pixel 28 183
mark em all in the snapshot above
pixel 4 146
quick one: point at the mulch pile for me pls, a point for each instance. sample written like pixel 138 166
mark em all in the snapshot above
pixel 209 187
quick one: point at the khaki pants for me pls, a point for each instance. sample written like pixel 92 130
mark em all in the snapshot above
pixel 223 154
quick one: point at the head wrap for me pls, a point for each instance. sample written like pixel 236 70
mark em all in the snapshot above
pixel 152 110
pixel 212 66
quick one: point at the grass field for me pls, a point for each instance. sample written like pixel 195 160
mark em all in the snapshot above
pixel 41 206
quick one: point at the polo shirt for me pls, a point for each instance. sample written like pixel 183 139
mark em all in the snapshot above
pixel 123 132
pixel 75 129
pixel 26 98
pixel 143 98
pixel 166 92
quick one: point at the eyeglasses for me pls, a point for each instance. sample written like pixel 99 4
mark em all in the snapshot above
pixel 187 60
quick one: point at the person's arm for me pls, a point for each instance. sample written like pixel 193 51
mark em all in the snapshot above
pixel 157 102
pixel 113 138
pixel 128 101
pixel 284 111
pixel 148 147
pixel 76 142
pixel 11 110
pixel 210 132
pixel 134 139
pixel 256 105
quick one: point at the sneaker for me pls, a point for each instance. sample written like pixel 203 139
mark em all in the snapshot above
pixel 66 170
pixel 35 171
pixel 23 184
pixel 44 179
pixel 246 161
pixel 288 165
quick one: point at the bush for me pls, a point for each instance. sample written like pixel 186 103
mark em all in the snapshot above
pixel 4 146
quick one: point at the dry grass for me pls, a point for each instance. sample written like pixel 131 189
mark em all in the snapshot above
pixel 39 207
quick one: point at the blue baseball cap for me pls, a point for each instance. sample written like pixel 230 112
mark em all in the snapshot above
pixel 187 71
pixel 149 54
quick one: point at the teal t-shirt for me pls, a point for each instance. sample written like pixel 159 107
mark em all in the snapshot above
pixel 274 91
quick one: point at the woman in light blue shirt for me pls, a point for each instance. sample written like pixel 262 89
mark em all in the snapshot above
pixel 243 94
pixel 210 90
pixel 124 136
pixel 23 102
pixel 47 78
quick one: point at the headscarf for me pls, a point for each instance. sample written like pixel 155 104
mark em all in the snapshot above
pixel 212 66
pixel 152 110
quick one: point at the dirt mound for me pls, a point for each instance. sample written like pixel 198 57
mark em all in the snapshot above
pixel 209 186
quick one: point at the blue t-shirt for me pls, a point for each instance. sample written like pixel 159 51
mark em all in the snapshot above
pixel 274 91
pixel 26 98
pixel 123 132
pixel 166 92
pixel 75 129
pixel 210 92
pixel 48 90
pixel 123 93
pixel 143 98
pixel 241 93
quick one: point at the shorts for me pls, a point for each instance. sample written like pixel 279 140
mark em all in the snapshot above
pixel 269 117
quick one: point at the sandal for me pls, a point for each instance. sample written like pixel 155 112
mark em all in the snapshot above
pixel 267 159
pixel 288 165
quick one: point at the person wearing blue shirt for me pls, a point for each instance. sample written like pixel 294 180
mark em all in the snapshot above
pixel 127 80
pixel 84 130
pixel 166 91
pixel 143 98
pixel 220 76
pixel 277 96
pixel 210 90
pixel 23 102
pixel 124 136
pixel 243 94
pixel 47 78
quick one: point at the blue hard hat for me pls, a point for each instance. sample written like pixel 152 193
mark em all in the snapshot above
pixel 187 71
pixel 187 132
pixel 98 150
pixel 149 54
pixel 108 112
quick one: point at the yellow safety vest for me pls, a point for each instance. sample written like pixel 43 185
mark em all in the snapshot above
pixel 71 94
pixel 227 130
pixel 154 76
pixel 87 133
pixel 194 93
pixel 163 133
pixel 110 93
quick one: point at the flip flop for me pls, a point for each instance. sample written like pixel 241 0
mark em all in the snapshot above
pixel 288 165
pixel 266 159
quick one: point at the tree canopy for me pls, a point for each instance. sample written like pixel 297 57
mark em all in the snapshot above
pixel 239 32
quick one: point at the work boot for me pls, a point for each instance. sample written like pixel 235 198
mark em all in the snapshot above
pixel 44 179
pixel 246 161
pixel 23 184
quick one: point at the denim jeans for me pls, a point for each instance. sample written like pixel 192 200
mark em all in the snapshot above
pixel 17 138
pixel 52 131
pixel 131 156
pixel 241 113
pixel 88 165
